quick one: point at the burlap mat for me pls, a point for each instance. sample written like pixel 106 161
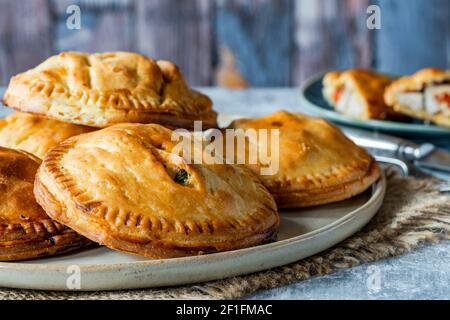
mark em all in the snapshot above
pixel 413 214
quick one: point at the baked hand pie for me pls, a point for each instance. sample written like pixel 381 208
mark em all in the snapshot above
pixel 35 134
pixel 317 163
pixel 25 229
pixel 103 89
pixel 358 93
pixel 424 95
pixel 128 188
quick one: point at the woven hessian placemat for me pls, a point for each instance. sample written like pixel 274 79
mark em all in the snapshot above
pixel 414 213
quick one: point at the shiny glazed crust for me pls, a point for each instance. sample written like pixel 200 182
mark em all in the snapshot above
pixel 116 186
pixel 417 82
pixel 25 229
pixel 35 134
pixel 103 89
pixel 318 164
pixel 368 85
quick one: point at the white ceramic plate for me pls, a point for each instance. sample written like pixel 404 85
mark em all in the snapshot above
pixel 303 233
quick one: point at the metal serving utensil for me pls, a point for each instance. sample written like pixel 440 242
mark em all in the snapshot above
pixel 425 155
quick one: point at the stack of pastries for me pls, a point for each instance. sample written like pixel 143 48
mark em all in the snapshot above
pixel 89 158
pixel 365 94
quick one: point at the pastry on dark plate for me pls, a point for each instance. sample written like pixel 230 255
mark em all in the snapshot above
pixel 424 95
pixel 359 94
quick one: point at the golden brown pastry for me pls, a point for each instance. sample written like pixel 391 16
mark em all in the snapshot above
pixel 358 93
pixel 103 89
pixel 318 164
pixel 35 134
pixel 25 229
pixel 424 95
pixel 123 187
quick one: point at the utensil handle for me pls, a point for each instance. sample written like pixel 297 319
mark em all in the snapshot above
pixel 374 140
pixel 397 146
pixel 402 165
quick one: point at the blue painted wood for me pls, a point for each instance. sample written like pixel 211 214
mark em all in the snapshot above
pixel 414 34
pixel 330 34
pixel 105 26
pixel 25 37
pixel 272 42
pixel 259 35
pixel 180 31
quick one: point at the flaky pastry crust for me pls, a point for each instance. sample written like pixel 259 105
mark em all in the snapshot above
pixel 35 134
pixel 122 187
pixel 103 89
pixel 369 87
pixel 25 229
pixel 417 83
pixel 318 164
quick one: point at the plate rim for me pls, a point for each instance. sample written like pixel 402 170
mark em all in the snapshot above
pixel 50 275
pixel 384 125
pixel 378 191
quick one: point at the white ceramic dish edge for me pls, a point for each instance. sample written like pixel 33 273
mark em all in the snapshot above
pixel 169 272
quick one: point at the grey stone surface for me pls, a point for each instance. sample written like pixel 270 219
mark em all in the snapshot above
pixel 422 274
pixel 254 102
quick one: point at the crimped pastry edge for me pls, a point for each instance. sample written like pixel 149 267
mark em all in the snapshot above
pixel 320 196
pixel 64 242
pixel 154 248
pixel 186 121
pixel 34 239
pixel 103 108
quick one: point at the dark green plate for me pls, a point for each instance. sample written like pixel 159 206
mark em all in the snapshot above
pixel 314 103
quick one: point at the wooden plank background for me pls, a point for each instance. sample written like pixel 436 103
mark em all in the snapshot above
pixel 234 43
pixel 330 34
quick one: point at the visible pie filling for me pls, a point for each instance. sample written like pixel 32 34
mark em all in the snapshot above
pixel 433 99
pixel 181 177
pixel 338 94
pixel 347 102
